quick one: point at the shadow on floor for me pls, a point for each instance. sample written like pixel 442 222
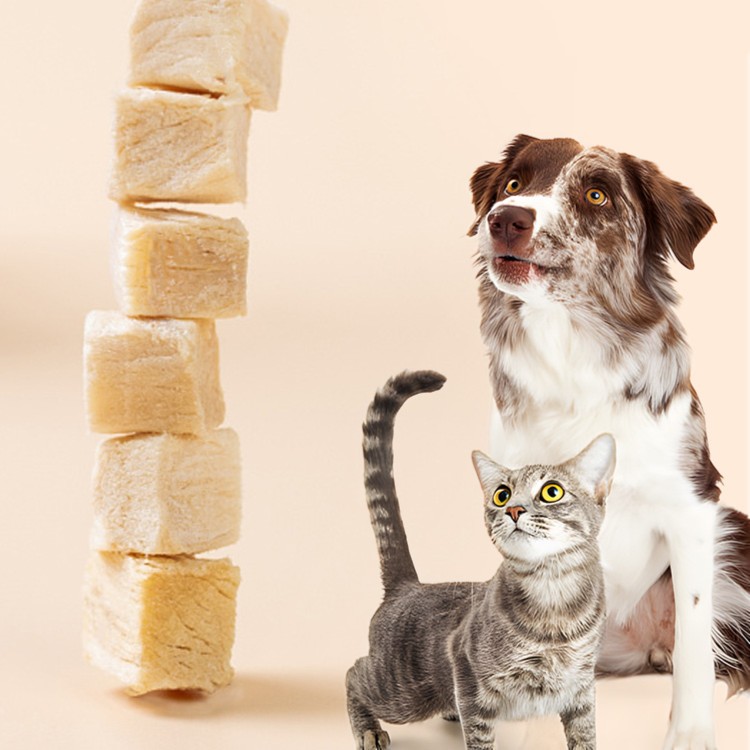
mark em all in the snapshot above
pixel 253 695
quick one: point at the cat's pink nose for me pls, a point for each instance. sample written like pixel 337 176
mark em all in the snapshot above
pixel 514 512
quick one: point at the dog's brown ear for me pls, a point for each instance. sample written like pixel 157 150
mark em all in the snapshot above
pixel 485 182
pixel 676 219
pixel 484 187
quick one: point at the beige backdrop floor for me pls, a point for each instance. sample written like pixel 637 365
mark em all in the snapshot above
pixel 308 562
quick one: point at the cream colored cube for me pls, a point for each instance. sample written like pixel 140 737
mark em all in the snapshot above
pixel 151 375
pixel 171 146
pixel 179 265
pixel 167 494
pixel 204 45
pixel 160 623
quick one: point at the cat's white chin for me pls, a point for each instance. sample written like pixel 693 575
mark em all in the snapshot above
pixel 529 548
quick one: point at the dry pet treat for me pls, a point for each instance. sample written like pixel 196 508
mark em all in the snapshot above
pixel 167 494
pixel 151 375
pixel 204 45
pixel 180 265
pixel 160 623
pixel 171 146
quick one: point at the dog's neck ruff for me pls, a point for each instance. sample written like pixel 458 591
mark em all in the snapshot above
pixel 546 354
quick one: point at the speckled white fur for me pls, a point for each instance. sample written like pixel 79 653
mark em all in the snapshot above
pixel 654 518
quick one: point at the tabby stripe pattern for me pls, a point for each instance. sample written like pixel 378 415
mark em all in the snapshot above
pixel 396 565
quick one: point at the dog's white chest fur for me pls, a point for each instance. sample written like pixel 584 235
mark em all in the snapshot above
pixel 557 365
pixel 573 397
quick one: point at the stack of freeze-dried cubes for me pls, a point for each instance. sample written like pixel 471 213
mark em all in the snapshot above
pixel 168 488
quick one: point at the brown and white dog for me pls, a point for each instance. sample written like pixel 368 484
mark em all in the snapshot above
pixel 578 313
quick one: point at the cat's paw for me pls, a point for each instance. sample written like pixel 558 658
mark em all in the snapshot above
pixel 450 717
pixel 375 740
pixel 693 738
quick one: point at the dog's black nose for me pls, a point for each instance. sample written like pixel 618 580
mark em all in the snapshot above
pixel 512 225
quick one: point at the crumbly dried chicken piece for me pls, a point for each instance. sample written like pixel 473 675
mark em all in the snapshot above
pixel 160 623
pixel 151 374
pixel 222 47
pixel 180 265
pixel 171 146
pixel 167 494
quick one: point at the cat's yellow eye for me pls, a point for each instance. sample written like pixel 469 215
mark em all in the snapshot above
pixel 596 197
pixel 501 496
pixel 552 492
pixel 513 186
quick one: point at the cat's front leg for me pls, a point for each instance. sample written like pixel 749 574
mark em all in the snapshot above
pixel 579 720
pixel 477 724
pixel 477 719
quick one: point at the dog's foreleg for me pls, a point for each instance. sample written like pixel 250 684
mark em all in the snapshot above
pixel 690 536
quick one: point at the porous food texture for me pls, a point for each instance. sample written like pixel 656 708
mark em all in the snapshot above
pixel 217 46
pixel 167 494
pixel 179 264
pixel 151 375
pixel 172 146
pixel 161 623
pixel 155 616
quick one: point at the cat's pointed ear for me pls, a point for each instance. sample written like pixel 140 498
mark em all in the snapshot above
pixel 595 466
pixel 489 472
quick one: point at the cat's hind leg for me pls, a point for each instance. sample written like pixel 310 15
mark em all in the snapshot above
pixel 368 733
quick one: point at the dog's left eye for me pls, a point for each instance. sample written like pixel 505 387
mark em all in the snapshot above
pixel 513 186
pixel 596 197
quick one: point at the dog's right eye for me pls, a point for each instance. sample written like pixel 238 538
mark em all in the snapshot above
pixel 596 197
pixel 513 186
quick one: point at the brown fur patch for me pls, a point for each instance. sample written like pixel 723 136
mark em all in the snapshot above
pixel 697 459
pixel 735 637
pixel 676 219
pixel 535 162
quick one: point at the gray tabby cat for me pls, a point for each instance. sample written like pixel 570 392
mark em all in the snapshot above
pixel 520 645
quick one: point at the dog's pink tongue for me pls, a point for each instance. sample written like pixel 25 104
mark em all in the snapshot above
pixel 513 271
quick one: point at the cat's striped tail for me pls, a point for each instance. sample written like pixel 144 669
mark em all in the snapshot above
pixel 396 566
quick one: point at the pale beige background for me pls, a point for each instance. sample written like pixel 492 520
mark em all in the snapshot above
pixel 360 267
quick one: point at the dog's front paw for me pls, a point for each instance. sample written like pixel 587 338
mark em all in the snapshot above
pixel 375 740
pixel 690 738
